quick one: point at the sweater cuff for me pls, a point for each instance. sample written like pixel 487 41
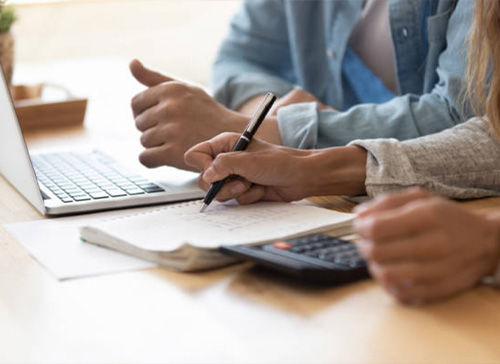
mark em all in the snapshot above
pixel 298 125
pixel 396 172
pixel 243 87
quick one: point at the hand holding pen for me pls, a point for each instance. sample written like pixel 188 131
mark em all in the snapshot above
pixel 242 143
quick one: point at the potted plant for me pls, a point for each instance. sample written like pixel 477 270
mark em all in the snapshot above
pixel 7 18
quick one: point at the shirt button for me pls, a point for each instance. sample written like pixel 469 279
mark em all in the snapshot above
pixel 330 53
pixel 404 32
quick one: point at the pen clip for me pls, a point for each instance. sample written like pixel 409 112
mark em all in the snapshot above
pixel 259 115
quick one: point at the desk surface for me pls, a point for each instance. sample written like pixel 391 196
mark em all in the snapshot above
pixel 232 315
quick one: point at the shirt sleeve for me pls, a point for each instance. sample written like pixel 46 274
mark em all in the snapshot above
pixel 462 162
pixel 255 57
pixel 404 117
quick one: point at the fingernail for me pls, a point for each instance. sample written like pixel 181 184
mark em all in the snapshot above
pixel 237 188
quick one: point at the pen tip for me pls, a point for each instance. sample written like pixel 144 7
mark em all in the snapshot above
pixel 203 208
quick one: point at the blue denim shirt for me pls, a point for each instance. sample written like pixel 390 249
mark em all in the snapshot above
pixel 275 45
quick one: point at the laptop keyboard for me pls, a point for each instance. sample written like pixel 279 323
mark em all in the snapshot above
pixel 75 177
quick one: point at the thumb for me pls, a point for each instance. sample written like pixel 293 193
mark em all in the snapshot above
pixel 201 155
pixel 146 76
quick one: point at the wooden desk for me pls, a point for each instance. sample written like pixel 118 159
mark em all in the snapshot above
pixel 231 315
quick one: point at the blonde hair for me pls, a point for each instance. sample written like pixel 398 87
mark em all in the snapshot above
pixel 484 61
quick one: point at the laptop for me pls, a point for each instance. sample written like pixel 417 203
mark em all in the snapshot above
pixel 70 182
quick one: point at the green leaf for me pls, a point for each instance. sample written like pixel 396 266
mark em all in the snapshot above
pixel 7 17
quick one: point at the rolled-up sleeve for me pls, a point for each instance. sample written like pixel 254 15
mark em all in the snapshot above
pixel 462 162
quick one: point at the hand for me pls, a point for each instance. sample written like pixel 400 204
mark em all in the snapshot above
pixel 174 116
pixel 264 171
pixel 275 173
pixel 423 248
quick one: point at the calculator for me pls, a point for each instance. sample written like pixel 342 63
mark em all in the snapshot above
pixel 319 258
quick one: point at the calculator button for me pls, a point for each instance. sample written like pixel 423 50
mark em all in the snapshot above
pixel 326 255
pixel 316 238
pixel 314 254
pixel 316 246
pixel 297 249
pixel 282 245
pixel 299 241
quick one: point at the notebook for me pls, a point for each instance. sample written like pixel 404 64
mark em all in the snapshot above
pixel 179 237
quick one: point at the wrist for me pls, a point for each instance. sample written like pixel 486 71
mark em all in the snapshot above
pixel 335 171
pixel 249 106
pixel 268 130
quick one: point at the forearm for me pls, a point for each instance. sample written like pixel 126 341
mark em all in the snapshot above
pixel 269 131
pixel 463 162
pixel 304 126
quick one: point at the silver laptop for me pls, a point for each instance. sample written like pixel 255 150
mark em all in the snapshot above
pixel 75 182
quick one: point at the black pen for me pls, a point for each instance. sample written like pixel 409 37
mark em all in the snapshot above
pixel 242 143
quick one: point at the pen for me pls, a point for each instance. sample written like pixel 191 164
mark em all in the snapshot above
pixel 242 143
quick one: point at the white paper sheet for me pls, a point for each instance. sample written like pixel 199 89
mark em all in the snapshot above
pixel 169 228
pixel 56 244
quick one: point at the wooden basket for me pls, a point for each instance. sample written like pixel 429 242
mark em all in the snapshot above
pixel 34 113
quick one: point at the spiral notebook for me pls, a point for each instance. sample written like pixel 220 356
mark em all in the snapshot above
pixel 179 237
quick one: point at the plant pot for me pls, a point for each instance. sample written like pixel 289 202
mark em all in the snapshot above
pixel 7 55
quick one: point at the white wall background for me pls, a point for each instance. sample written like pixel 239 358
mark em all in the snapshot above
pixel 178 36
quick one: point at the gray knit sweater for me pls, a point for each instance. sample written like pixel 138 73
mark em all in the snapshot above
pixel 462 162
